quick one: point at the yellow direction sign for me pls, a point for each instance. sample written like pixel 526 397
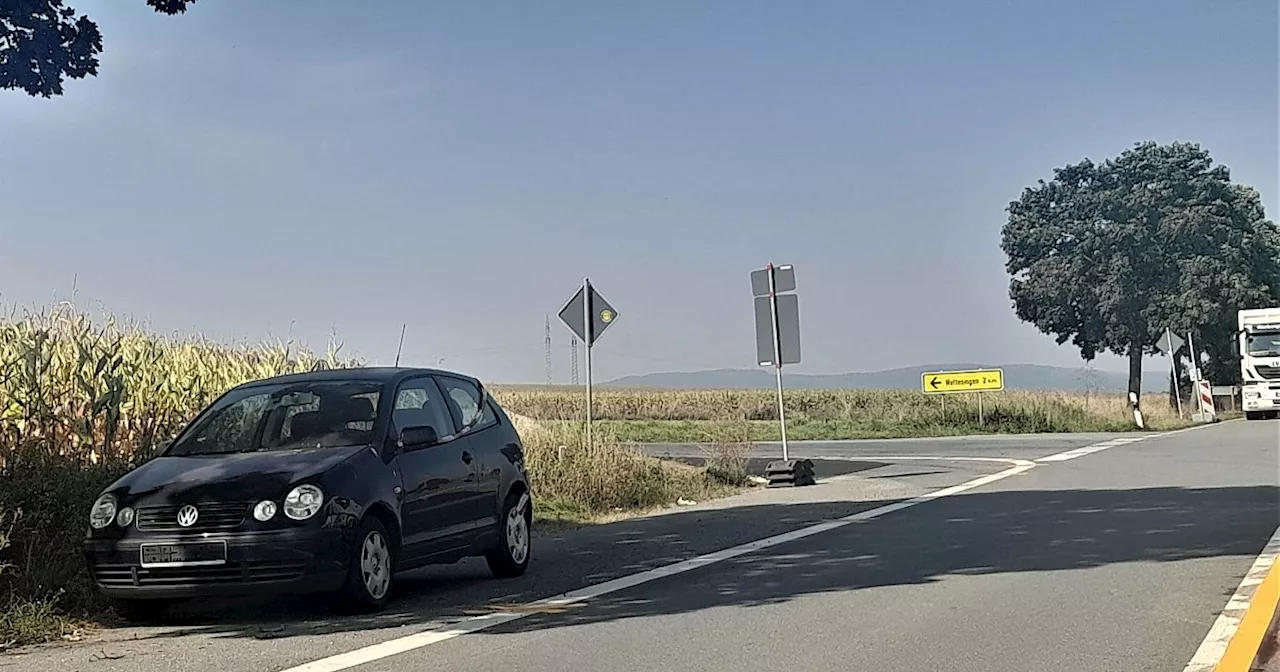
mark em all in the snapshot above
pixel 955 382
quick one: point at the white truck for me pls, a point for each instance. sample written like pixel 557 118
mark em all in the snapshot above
pixel 1259 346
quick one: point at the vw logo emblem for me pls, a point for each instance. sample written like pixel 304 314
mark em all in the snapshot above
pixel 187 516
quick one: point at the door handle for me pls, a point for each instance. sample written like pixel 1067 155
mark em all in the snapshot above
pixel 466 457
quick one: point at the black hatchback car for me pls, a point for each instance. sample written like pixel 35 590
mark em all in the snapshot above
pixel 331 481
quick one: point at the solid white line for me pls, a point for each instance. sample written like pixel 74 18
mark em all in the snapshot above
pixel 1224 628
pixel 393 647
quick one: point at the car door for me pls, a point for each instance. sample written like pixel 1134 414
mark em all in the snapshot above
pixel 438 480
pixel 476 420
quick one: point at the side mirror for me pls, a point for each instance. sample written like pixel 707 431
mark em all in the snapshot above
pixel 419 437
pixel 1235 346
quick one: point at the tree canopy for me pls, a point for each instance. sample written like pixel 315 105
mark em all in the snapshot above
pixel 44 42
pixel 1108 255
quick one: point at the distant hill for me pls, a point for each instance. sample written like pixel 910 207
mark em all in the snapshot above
pixel 1016 377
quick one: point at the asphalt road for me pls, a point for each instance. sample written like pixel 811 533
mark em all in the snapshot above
pixel 1116 559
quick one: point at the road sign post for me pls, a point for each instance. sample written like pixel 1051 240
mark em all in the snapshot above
pixel 1170 344
pixel 976 382
pixel 777 317
pixel 587 315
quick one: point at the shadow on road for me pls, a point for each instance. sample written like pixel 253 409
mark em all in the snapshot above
pixel 979 533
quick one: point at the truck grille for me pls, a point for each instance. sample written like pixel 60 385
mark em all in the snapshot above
pixel 238 572
pixel 217 516
pixel 1268 372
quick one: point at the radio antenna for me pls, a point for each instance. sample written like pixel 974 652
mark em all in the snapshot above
pixel 400 347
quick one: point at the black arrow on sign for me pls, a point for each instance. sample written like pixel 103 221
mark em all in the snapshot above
pixel 933 383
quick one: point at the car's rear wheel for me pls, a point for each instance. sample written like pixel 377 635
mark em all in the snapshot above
pixel 371 570
pixel 511 557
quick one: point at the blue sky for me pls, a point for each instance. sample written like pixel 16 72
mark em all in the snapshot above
pixel 247 169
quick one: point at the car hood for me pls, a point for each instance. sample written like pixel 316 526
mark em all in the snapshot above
pixel 235 477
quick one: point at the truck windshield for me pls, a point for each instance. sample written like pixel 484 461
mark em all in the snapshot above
pixel 1266 344
pixel 282 417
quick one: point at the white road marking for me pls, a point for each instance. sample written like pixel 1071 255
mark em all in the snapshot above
pixel 1095 448
pixel 1224 628
pixel 419 640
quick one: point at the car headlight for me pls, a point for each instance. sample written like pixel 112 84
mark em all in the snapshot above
pixel 265 510
pixel 303 502
pixel 125 517
pixel 103 512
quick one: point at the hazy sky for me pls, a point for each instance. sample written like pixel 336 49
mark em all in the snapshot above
pixel 462 166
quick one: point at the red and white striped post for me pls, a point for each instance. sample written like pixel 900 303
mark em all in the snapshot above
pixel 1204 394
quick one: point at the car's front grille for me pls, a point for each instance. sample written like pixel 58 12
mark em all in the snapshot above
pixel 115 575
pixel 218 516
pixel 1268 372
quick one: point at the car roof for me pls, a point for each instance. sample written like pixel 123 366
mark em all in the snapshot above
pixel 379 374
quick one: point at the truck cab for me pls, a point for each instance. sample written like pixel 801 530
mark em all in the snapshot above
pixel 1259 347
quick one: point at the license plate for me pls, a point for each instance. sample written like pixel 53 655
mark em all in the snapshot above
pixel 184 555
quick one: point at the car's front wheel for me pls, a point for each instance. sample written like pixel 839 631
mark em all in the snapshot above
pixel 371 571
pixel 511 557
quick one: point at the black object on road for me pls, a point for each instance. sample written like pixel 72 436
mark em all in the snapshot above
pixel 790 473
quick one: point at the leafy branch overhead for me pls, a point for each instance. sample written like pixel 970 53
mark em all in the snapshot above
pixel 1108 255
pixel 45 42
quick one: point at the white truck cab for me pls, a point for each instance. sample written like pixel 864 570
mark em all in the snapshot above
pixel 1259 346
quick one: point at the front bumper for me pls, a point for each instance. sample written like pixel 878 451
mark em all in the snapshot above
pixel 275 561
pixel 1260 399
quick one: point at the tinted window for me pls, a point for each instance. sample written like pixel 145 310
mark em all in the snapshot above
pixel 467 402
pixel 282 417
pixel 420 404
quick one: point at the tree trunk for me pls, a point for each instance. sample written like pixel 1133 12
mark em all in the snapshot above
pixel 1135 369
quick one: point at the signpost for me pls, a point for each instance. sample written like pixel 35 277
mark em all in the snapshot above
pixel 956 382
pixel 777 317
pixel 976 381
pixel 1170 344
pixel 588 315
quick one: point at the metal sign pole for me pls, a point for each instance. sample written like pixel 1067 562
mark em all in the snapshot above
pixel 1173 369
pixel 1195 359
pixel 587 328
pixel 777 359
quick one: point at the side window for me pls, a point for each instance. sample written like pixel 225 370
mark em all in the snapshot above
pixel 419 403
pixel 465 400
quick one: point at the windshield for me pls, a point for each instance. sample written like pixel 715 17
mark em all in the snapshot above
pixel 1265 344
pixel 284 417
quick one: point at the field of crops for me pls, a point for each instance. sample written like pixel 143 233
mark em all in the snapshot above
pixel 709 415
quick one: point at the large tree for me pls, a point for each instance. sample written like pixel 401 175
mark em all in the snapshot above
pixel 1108 255
pixel 43 42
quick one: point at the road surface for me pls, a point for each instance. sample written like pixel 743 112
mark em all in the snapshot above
pixel 1014 553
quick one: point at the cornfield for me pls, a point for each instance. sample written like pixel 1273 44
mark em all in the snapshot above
pixel 97 392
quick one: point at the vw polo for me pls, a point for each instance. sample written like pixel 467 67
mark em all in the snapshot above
pixel 330 481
